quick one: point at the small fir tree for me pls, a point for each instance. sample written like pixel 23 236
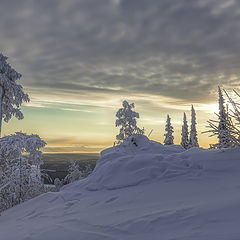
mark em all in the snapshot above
pixel 193 140
pixel 169 131
pixel 184 140
pixel 126 118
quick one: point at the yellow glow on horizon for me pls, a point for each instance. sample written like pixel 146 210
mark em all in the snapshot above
pixel 86 122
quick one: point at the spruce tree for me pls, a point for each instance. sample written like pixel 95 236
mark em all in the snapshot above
pixel 126 118
pixel 184 140
pixel 169 131
pixel 224 135
pixel 193 141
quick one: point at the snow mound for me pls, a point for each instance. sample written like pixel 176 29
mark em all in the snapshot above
pixel 138 160
pixel 201 202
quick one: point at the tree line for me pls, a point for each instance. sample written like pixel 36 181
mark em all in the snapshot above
pixel 226 128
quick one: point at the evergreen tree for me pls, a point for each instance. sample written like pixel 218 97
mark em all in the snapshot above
pixel 224 128
pixel 11 93
pixel 169 131
pixel 20 177
pixel 224 135
pixel 184 140
pixel 193 141
pixel 126 118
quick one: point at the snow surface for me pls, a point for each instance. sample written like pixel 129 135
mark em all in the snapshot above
pixel 140 190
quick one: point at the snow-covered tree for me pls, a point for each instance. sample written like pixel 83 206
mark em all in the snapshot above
pixel 58 184
pixel 74 173
pixel 234 127
pixel 20 159
pixel 193 140
pixel 184 139
pixel 227 131
pixel 11 93
pixel 224 136
pixel 169 132
pixel 126 118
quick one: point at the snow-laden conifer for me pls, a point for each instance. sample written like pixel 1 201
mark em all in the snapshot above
pixel 226 130
pixel 184 139
pixel 11 93
pixel 193 140
pixel 234 127
pixel 169 132
pixel 20 159
pixel 126 118
pixel 224 135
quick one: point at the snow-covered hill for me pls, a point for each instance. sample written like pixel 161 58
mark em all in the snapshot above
pixel 140 190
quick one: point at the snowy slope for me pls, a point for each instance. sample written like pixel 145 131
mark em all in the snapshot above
pixel 140 190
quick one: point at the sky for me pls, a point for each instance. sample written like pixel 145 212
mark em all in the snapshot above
pixel 79 60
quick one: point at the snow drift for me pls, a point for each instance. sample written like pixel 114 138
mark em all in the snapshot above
pixel 139 190
pixel 138 160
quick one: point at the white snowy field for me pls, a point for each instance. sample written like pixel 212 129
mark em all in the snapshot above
pixel 140 190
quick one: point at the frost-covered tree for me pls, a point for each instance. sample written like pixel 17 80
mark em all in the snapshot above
pixel 58 184
pixel 234 127
pixel 126 118
pixel 226 130
pixel 184 139
pixel 169 132
pixel 224 136
pixel 20 159
pixel 193 140
pixel 74 172
pixel 11 93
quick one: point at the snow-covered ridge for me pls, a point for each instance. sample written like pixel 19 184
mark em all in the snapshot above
pixel 139 161
pixel 143 190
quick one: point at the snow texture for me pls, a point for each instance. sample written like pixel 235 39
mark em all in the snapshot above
pixel 139 190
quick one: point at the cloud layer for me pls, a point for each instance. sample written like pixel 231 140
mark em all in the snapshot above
pixel 180 48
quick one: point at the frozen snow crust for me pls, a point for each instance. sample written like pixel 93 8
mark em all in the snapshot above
pixel 139 190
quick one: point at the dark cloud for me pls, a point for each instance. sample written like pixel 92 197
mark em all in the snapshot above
pixel 177 48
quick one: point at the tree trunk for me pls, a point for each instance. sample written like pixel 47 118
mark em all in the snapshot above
pixel 1 98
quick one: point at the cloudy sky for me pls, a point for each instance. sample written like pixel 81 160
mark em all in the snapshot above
pixel 80 58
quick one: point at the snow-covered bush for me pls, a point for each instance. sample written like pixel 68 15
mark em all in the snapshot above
pixel 11 93
pixel 184 139
pixel 74 173
pixel 58 184
pixel 20 160
pixel 193 140
pixel 126 118
pixel 169 131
